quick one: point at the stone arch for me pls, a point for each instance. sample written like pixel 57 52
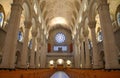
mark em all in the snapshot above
pixel 26 14
pixel 27 10
pixel 93 14
pixel 117 5
pixel 85 16
pixel 77 4
pixel 85 22
pixel 42 5
pixel 92 11
pixel 59 26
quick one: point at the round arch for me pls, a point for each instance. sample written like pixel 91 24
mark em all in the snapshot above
pixel 92 11
pixel 26 11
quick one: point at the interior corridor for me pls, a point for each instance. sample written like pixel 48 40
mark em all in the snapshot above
pixel 59 38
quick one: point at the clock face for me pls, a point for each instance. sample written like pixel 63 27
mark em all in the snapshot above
pixel 118 18
pixel 59 37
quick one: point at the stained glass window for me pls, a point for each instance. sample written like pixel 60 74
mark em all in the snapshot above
pixel 100 36
pixel 20 37
pixel 30 44
pixel 1 18
pixel 60 38
pixel 60 48
pixel 118 18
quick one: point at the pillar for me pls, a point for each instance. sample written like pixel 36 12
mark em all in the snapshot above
pixel 87 52
pixel 78 48
pixel 96 56
pixel 43 52
pixel 24 54
pixel 76 54
pixel 38 53
pixel 110 48
pixel 32 54
pixel 9 49
pixel 82 55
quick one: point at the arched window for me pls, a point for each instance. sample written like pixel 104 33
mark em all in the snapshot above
pixel 2 15
pixel 30 44
pixel 90 44
pixel 117 15
pixel 59 39
pixel 118 18
pixel 99 35
pixel 20 36
pixel 1 19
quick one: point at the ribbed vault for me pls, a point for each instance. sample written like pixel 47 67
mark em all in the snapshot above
pixel 53 10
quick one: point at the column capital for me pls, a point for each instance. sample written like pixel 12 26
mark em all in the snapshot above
pixel 80 38
pixel 85 33
pixel 92 24
pixel 81 24
pixel 34 33
pixel 102 1
pixel 28 24
pixel 102 4
pixel 38 39
pixel 17 1
pixel 37 23
pixel 17 6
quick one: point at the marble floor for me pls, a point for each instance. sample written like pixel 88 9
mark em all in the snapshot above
pixel 60 74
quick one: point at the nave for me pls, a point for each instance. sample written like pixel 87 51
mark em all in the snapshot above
pixel 70 38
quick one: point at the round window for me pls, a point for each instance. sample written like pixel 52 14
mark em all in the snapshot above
pixel 60 37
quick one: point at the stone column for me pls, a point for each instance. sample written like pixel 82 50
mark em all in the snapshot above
pixel 38 53
pixel 110 49
pixel 32 54
pixel 87 52
pixel 24 54
pixel 43 52
pixel 78 47
pixel 43 56
pixel 76 54
pixel 82 55
pixel 95 57
pixel 9 49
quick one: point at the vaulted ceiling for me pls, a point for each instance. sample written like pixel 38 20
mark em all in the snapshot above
pixel 55 13
pixel 60 12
